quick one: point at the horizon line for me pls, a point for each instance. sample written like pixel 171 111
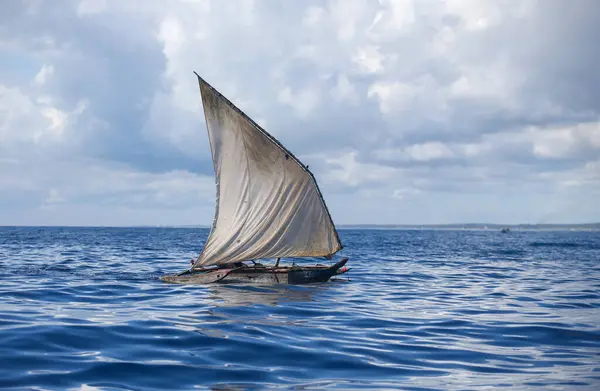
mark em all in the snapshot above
pixel 353 225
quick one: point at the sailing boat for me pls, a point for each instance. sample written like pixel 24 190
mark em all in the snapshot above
pixel 268 206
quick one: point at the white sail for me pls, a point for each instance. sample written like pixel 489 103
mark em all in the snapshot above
pixel 268 203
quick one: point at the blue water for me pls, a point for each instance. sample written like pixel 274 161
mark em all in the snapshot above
pixel 82 308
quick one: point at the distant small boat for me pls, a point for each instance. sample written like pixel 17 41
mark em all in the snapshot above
pixel 505 230
pixel 268 205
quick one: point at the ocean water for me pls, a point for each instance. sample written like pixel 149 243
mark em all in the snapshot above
pixel 84 309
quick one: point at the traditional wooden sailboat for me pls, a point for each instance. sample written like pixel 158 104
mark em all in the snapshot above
pixel 268 206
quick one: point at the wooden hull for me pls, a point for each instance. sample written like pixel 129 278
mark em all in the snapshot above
pixel 260 275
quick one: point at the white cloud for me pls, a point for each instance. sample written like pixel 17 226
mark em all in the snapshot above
pixel 347 170
pixel 578 141
pixel 344 91
pixel 44 73
pixel 407 101
pixel 565 141
pixel 53 199
pixel 304 101
pixel 406 192
pixel 171 35
pixel 57 118
pixel 105 189
pixel 313 15
pixel 475 15
pixel 369 59
pixel 90 7
pixel 417 152
pixel 490 83
pixel 390 95
pixel 23 120
pixel 395 17
pixel 347 15
pixel 429 151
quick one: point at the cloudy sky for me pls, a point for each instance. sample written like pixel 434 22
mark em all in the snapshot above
pixel 417 111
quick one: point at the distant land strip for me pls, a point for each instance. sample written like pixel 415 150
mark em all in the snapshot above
pixel 470 226
pixel 467 226
pixel 475 226
pixel 483 226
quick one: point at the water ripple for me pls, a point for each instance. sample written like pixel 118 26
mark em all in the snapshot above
pixel 83 309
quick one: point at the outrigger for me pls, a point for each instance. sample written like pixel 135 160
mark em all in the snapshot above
pixel 268 206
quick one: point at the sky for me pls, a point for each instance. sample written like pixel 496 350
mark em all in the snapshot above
pixel 406 111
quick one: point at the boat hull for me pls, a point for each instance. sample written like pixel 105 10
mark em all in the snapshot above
pixel 260 275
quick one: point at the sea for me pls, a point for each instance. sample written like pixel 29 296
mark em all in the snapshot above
pixel 85 309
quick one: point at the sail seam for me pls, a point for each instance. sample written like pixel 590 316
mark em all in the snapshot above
pixel 247 174
pixel 217 182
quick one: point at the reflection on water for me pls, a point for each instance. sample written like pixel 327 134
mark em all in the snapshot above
pixel 84 309
pixel 240 295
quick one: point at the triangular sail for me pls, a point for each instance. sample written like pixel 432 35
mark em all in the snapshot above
pixel 268 203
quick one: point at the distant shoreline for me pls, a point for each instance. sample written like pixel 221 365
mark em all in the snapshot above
pixel 412 227
pixel 483 227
